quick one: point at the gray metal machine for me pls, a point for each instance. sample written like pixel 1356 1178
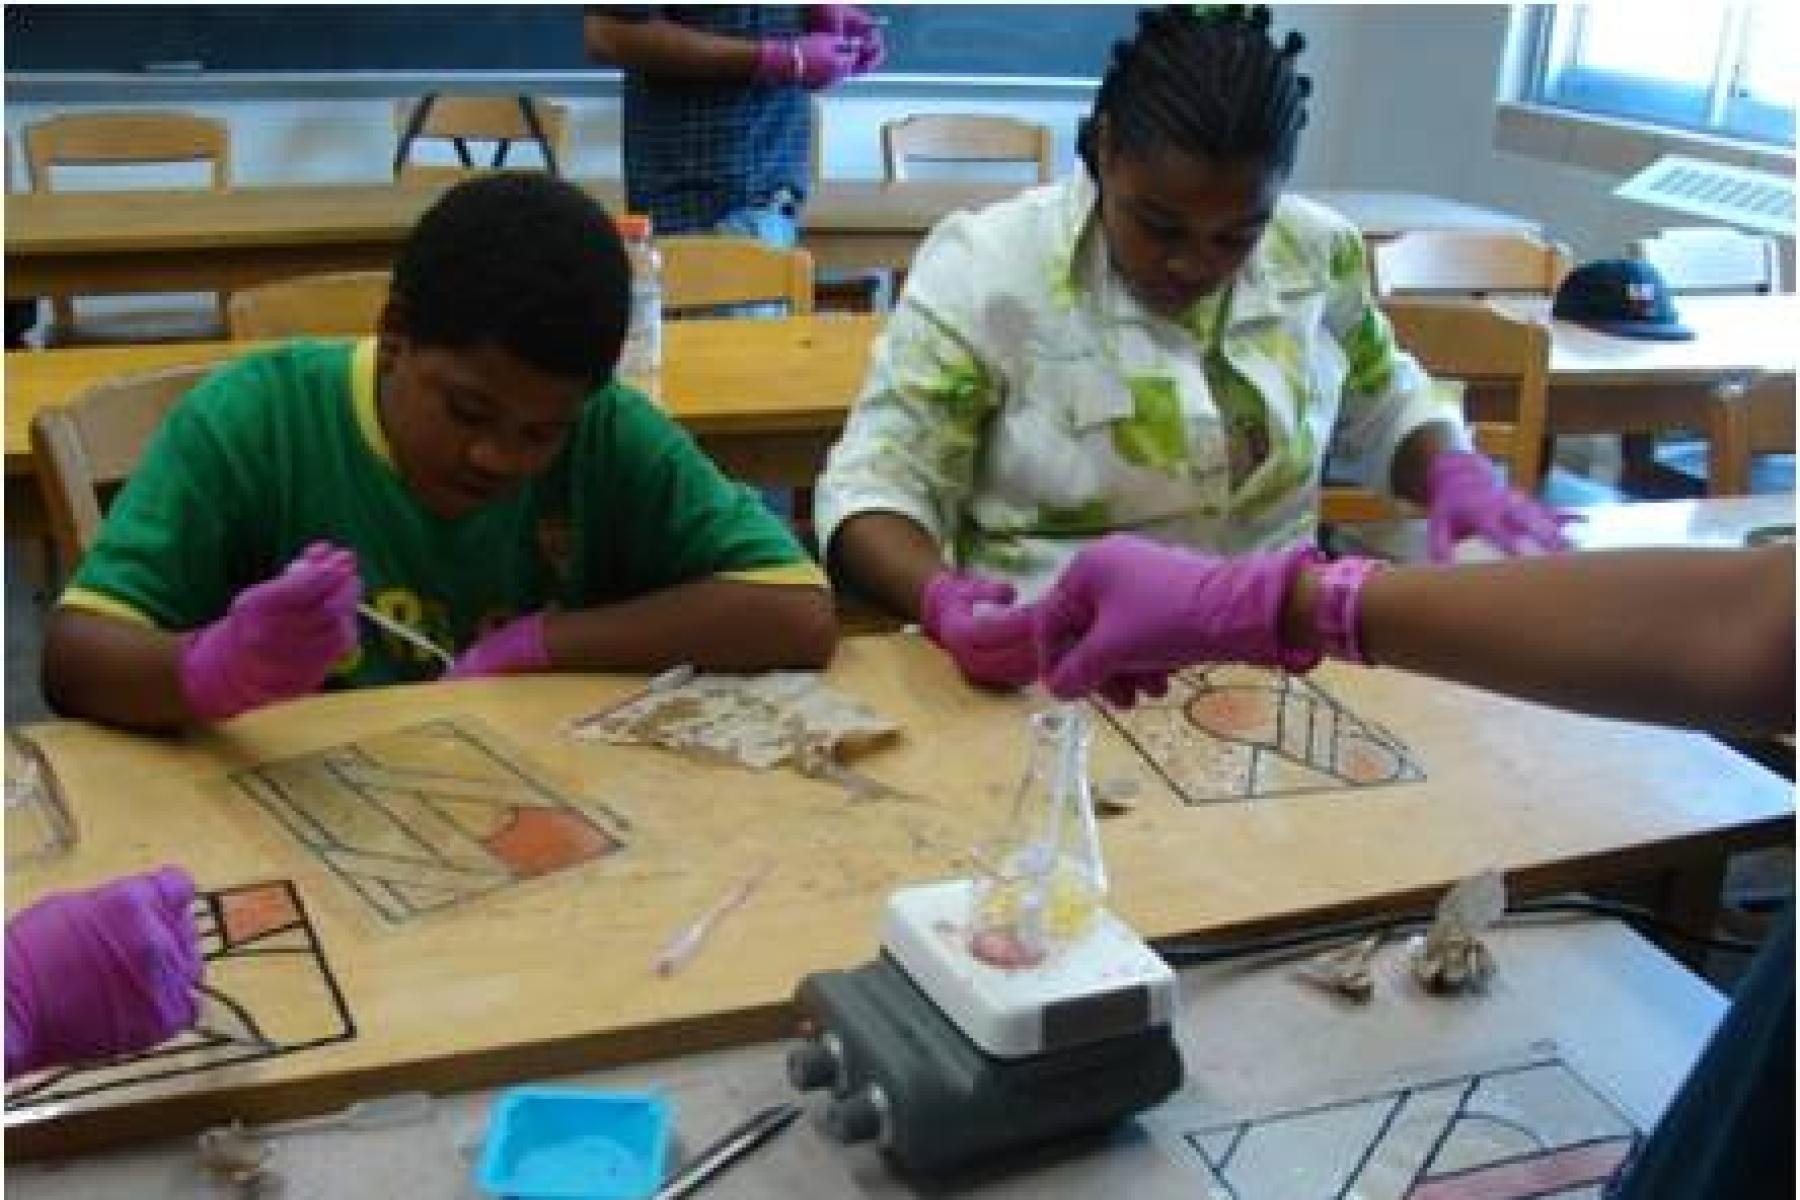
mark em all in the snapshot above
pixel 944 1060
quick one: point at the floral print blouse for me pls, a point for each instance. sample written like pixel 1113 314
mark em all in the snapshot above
pixel 1022 402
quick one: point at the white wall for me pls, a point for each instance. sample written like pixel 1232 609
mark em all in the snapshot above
pixel 1403 100
pixel 1415 110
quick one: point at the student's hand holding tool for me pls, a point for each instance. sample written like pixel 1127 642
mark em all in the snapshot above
pixel 106 971
pixel 1126 612
pixel 278 640
pixel 812 60
pixel 515 648
pixel 1465 497
pixel 973 619
pixel 852 24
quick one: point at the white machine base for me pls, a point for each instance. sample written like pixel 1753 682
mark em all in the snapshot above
pixel 1107 985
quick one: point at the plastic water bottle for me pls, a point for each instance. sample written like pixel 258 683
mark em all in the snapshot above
pixel 642 357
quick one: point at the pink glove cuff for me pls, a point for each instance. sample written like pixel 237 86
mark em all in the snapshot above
pixel 1338 612
pixel 779 61
pixel 205 684
pixel 1296 660
pixel 512 649
pixel 933 601
pixel 1458 471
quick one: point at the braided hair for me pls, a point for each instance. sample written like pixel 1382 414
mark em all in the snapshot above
pixel 1207 80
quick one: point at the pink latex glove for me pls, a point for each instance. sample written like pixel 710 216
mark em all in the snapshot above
pixel 1465 497
pixel 515 648
pixel 1126 612
pixel 813 60
pixel 108 971
pixel 853 24
pixel 991 647
pixel 279 639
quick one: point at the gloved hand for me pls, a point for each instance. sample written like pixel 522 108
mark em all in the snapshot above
pixel 103 972
pixel 1126 612
pixel 813 60
pixel 993 648
pixel 515 648
pixel 278 640
pixel 1465 497
pixel 853 24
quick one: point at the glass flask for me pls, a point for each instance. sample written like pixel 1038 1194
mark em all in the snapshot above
pixel 1039 884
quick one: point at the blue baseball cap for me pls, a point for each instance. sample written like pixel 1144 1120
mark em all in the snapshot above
pixel 1623 296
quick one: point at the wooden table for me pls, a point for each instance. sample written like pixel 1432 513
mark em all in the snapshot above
pixel 1723 523
pixel 765 397
pixel 553 974
pixel 1740 360
pixel 1638 1026
pixel 73 243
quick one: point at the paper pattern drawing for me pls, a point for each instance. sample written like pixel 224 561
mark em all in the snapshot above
pixel 424 818
pixel 1532 1129
pixel 1232 733
pixel 268 992
pixel 759 721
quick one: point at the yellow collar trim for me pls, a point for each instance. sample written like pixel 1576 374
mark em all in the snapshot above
pixel 362 399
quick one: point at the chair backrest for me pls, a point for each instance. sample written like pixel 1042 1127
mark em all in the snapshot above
pixel 1503 363
pixel 965 138
pixel 706 271
pixel 342 303
pixel 126 138
pixel 494 121
pixel 122 139
pixel 1469 263
pixel 85 449
pixel 1712 259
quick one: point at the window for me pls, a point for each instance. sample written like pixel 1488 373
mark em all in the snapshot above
pixel 1730 69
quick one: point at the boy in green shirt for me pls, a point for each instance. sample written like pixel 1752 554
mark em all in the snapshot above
pixel 472 472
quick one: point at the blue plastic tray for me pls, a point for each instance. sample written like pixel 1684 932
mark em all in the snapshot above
pixel 569 1144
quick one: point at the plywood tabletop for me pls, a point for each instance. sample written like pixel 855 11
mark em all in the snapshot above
pixel 553 974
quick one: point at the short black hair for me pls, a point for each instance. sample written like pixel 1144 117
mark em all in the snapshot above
pixel 1207 80
pixel 522 260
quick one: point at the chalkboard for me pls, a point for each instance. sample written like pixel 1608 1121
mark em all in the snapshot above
pixel 941 39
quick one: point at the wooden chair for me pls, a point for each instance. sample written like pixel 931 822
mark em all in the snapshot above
pixel 1503 365
pixel 1746 418
pixel 965 138
pixel 496 121
pixel 130 140
pixel 85 449
pixel 339 304
pixel 707 271
pixel 1468 263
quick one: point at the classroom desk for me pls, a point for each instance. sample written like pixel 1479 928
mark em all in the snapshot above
pixel 1742 356
pixel 1252 1039
pixel 1722 523
pixel 553 973
pixel 766 398
pixel 72 243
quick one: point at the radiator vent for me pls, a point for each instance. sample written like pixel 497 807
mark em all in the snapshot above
pixel 1759 200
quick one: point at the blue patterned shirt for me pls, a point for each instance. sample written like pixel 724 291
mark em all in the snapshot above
pixel 696 150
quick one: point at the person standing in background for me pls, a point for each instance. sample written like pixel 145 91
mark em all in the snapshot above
pixel 718 118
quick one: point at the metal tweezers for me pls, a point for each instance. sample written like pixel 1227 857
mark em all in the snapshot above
pixel 728 1149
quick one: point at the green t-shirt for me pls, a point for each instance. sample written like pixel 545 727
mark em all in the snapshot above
pixel 283 447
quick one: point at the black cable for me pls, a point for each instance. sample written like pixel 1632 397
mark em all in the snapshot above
pixel 1184 952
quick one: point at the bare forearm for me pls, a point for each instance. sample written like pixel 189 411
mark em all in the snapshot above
pixel 1682 637
pixel 889 558
pixel 114 672
pixel 713 624
pixel 668 48
pixel 1413 457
